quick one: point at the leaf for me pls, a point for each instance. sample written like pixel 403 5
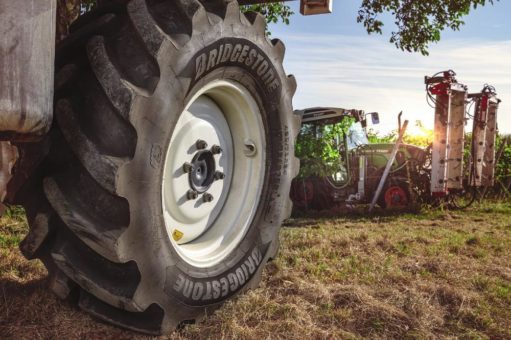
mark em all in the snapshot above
pixel 418 23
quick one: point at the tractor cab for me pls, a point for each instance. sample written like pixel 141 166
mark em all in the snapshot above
pixel 354 127
pixel 326 145
pixel 327 138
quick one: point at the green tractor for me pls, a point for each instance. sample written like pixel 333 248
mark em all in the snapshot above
pixel 341 168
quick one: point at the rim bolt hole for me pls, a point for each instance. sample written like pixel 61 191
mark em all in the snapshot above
pixel 200 144
pixel 207 197
pixel 187 168
pixel 219 175
pixel 216 149
pixel 192 195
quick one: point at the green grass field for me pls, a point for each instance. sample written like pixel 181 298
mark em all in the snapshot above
pixel 435 274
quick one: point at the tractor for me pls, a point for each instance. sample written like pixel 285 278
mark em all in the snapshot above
pixel 352 176
pixel 151 150
pixel 340 168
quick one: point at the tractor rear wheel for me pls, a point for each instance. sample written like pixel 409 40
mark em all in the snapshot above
pixel 169 163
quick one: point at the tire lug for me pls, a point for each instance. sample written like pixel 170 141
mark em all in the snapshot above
pixel 187 167
pixel 219 175
pixel 201 144
pixel 207 197
pixel 192 195
pixel 216 149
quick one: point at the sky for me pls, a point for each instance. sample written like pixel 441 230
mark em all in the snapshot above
pixel 338 64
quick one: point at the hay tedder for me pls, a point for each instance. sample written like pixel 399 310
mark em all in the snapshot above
pixel 398 174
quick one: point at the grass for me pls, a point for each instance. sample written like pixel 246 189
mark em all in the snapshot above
pixel 438 274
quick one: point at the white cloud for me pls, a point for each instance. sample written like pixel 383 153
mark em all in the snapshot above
pixel 371 74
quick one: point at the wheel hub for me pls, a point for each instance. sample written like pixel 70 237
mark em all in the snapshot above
pixel 214 173
pixel 203 171
pixel 395 196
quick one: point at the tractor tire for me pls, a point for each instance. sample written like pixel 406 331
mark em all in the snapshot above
pixel 169 164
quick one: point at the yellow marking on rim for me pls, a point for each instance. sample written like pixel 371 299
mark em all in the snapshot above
pixel 177 235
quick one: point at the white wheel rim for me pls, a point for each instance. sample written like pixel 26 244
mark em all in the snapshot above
pixel 223 113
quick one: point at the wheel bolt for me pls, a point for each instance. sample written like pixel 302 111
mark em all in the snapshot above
pixel 200 144
pixel 192 194
pixel 187 167
pixel 219 175
pixel 207 197
pixel 215 149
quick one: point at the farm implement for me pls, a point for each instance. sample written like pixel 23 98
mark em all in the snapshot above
pixel 340 168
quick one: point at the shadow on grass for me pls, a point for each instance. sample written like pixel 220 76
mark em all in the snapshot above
pixel 312 218
pixel 22 304
pixel 30 310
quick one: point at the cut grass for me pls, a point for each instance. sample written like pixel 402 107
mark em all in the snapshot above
pixel 435 274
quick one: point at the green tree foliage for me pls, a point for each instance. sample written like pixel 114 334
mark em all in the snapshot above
pixel 70 10
pixel 416 134
pixel 503 168
pixel 320 147
pixel 418 23
pixel 273 12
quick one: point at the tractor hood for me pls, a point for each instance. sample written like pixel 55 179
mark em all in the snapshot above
pixel 407 150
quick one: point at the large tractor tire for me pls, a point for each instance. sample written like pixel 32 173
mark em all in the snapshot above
pixel 168 167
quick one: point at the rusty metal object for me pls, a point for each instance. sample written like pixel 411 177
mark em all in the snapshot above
pixel 449 98
pixel 456 138
pixel 8 156
pixel 484 133
pixel 27 52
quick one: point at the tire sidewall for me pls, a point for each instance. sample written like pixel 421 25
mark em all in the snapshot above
pixel 183 283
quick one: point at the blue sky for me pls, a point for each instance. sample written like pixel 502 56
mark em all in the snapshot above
pixel 337 63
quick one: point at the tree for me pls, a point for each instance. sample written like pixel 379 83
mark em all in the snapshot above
pixel 272 12
pixel 69 10
pixel 418 23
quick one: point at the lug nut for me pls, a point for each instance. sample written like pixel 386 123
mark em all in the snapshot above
pixel 200 144
pixel 192 194
pixel 215 149
pixel 187 167
pixel 219 175
pixel 207 197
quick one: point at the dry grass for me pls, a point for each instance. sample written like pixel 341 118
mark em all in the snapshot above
pixel 437 274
